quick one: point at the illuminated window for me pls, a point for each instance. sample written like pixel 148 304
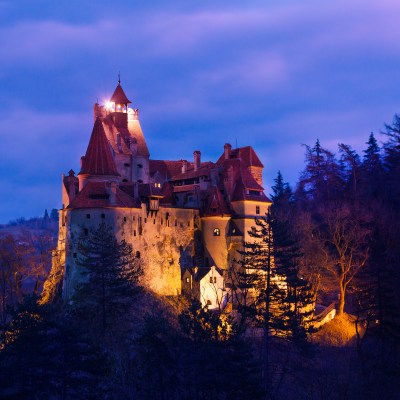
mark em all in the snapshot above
pixel 187 280
pixel 217 232
pixel 257 209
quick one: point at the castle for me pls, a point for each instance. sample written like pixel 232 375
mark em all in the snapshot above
pixel 184 219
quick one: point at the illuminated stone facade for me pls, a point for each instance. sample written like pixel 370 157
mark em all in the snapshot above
pixel 184 219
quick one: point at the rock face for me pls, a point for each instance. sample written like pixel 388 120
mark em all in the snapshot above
pixel 177 215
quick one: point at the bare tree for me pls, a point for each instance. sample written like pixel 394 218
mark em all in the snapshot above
pixel 344 236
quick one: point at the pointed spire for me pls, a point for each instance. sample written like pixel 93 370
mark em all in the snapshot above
pixel 98 159
pixel 119 96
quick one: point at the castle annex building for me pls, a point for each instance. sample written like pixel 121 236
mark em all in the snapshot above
pixel 185 219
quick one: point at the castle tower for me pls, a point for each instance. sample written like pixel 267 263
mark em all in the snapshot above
pixel 124 133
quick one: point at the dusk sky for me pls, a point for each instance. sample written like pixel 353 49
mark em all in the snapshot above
pixel 270 74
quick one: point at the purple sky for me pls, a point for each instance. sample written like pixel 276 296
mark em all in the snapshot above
pixel 271 74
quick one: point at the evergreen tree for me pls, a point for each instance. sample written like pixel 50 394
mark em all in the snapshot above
pixel 110 279
pixel 350 165
pixel 321 179
pixel 293 316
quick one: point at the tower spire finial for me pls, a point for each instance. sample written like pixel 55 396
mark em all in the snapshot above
pixel 119 77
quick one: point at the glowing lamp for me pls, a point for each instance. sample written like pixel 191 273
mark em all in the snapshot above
pixel 109 105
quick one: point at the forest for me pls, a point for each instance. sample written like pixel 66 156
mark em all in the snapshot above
pixel 333 238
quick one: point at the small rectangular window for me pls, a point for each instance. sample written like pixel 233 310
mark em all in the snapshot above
pixel 74 255
pixel 103 216
pixel 217 232
pixel 134 232
pixel 86 231
pixel 88 216
pixel 187 280
pixel 124 219
pixel 257 209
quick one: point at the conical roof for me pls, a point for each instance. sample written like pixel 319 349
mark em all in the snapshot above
pixel 119 96
pixel 98 159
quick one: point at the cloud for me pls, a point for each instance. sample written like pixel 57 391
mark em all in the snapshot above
pixel 270 74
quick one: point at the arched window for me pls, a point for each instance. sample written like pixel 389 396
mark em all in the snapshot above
pixel 217 232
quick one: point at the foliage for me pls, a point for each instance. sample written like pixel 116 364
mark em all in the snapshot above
pixel 110 275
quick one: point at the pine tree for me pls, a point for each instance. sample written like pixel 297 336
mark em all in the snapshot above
pixel 293 315
pixel 111 274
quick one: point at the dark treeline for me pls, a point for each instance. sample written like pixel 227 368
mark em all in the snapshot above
pixel 26 247
pixel 333 238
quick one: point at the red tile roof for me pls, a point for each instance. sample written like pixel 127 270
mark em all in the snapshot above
pixel 204 170
pixel 97 195
pixel 166 168
pixel 98 159
pixel 119 96
pixel 246 154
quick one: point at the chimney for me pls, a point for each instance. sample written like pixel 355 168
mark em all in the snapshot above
pixel 227 150
pixel 96 110
pixel 99 111
pixel 113 193
pixel 196 155
pixel 184 166
pixel 82 161
pixel 71 189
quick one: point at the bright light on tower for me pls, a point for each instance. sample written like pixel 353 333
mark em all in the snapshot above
pixel 109 105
